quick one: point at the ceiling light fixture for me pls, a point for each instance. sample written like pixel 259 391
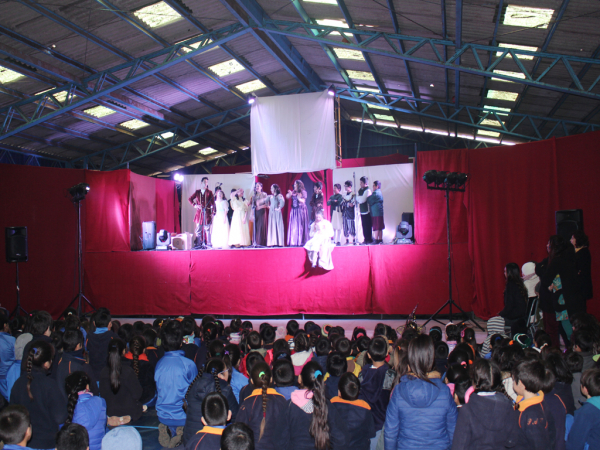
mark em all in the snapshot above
pixel 331 90
pixel 157 15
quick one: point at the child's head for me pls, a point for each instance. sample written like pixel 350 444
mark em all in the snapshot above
pixel 237 436
pixel 233 351
pixel 74 384
pixel 378 349
pixel 509 356
pixel 261 378
pixel 188 326
pixel 362 344
pixel 459 356
pixel 590 383
pixel 574 362
pixel 542 339
pixel 311 378
pixel 283 373
pixel 171 336
pixel 150 336
pixel 267 334
pixel 292 327
pixel 559 368
pixel 486 376
pixel 531 376
pixel 421 356
pixel 441 350
pixel 15 426
pixel 40 354
pixel 254 340
pixel 452 332
pixel 125 332
pixel 349 387
pixel 468 336
pixel 358 333
pixel 301 342
pixel 102 319
pixel 343 346
pixel 252 359
pixel 215 410
pixel 336 364
pixel 72 437
pixel 323 346
pixel 458 382
pixel 72 339
pixel 582 340
pixel 216 349
pixel 436 334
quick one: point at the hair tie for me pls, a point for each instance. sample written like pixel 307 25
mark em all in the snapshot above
pixel 261 374
pixel 359 335
pixel 470 362
pixel 317 373
pixel 217 353
pixel 463 363
pixel 462 333
pixel 35 349
pixel 226 352
pixel 451 387
pixel 213 371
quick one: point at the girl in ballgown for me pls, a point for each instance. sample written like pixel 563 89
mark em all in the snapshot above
pixel 239 233
pixel 220 224
pixel 259 202
pixel 299 225
pixel 276 203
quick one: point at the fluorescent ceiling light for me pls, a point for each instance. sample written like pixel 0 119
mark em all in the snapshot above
pixel 189 47
pixel 167 135
pixel 378 107
pixel 327 2
pixel 502 95
pixel 99 111
pixel 466 136
pixel 7 75
pixel 497 110
pixel 360 75
pixel 187 144
pixel 491 123
pixel 208 151
pixel 387 124
pixel 527 17
pixel 484 139
pixel 443 133
pixel 488 133
pixel 510 74
pixel 157 15
pixel 251 86
pixel 368 89
pixel 333 23
pixel 518 47
pixel 60 96
pixel 410 127
pixel 134 124
pixel 227 68
pixel 358 119
pixel 344 53
pixel 383 117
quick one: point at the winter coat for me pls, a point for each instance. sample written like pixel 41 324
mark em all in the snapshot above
pixel 515 304
pixel 487 422
pixel 554 406
pixel 421 414
pixel 208 438
pixel 564 391
pixel 195 396
pixel 47 410
pixel 536 425
pixel 173 375
pixel 145 376
pixel 97 347
pixel 331 387
pixel 7 357
pixel 126 402
pixel 358 417
pixel 251 414
pixel 70 362
pixel 586 427
pixel 375 388
pixel 90 412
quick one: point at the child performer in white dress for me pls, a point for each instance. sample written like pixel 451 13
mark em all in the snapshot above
pixel 220 224
pixel 239 233
pixel 275 237
pixel 319 247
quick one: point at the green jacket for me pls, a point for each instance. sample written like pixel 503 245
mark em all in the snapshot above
pixel 375 200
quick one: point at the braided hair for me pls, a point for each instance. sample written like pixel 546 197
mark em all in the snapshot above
pixel 116 348
pixel 137 346
pixel 74 384
pixel 40 353
pixel 312 379
pixel 261 376
pixel 213 366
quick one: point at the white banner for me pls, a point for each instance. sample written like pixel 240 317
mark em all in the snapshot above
pixel 191 183
pixel 292 133
pixel 396 187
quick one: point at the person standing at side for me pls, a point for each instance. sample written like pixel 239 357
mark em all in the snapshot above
pixel 335 210
pixel 375 201
pixel 365 215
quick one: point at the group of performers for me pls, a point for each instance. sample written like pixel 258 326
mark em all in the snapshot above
pixel 223 223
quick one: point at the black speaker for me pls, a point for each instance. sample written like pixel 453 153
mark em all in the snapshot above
pixel 149 235
pixel 16 244
pixel 568 222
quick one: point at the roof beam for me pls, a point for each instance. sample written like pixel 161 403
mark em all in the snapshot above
pixel 459 6
pixel 249 13
pixel 306 31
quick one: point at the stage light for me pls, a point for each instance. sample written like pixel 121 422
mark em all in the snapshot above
pixel 251 99
pixel 430 176
pixel 178 177
pixel 440 177
pixel 79 191
pixel 451 179
pixel 462 179
pixel 331 90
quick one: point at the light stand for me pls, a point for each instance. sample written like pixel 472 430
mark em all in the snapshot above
pixel 18 309
pixel 79 192
pixel 444 181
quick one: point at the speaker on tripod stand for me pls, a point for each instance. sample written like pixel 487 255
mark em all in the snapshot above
pixel 16 252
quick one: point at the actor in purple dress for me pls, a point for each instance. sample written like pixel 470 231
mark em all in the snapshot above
pixel 299 225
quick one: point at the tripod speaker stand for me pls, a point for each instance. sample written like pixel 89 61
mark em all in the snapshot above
pixel 16 252
pixel 448 182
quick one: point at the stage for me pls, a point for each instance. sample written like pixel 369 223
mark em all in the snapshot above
pixel 371 279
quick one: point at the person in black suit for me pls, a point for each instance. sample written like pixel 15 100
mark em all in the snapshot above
pixel 583 263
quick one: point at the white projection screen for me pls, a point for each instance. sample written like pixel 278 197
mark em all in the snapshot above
pixel 292 133
pixel 396 187
pixel 192 182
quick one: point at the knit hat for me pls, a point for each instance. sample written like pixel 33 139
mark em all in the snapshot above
pixel 122 437
pixel 20 344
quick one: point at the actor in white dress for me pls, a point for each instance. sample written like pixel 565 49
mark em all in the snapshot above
pixel 220 224
pixel 275 237
pixel 319 246
pixel 239 233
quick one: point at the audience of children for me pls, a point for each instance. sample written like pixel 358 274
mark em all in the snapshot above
pixel 255 391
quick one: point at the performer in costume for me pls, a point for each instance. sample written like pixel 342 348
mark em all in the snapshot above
pixel 275 236
pixel 317 200
pixel 204 202
pixel 239 233
pixel 348 213
pixel 220 224
pixel 298 226
pixel 375 201
pixel 335 211
pixel 259 204
pixel 365 215
pixel 319 247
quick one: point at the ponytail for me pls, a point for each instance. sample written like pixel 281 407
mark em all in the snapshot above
pixel 261 377
pixel 74 384
pixel 312 379
pixel 39 354
pixel 265 385
pixel 185 403
pixel 116 347
pixel 29 366
pixel 215 375
pixel 137 346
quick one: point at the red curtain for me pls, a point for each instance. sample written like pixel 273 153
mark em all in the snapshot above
pixel 167 206
pixel 107 211
pixel 396 158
